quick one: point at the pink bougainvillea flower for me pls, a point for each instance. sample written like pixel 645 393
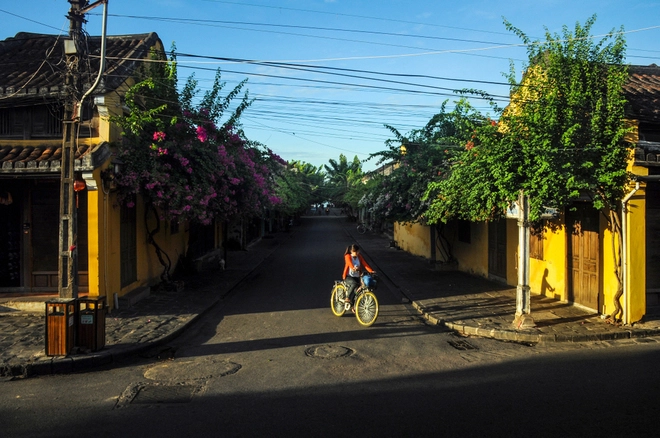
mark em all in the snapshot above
pixel 201 134
pixel 159 136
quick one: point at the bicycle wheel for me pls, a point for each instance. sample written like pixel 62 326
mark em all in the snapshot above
pixel 366 308
pixel 336 299
pixel 361 229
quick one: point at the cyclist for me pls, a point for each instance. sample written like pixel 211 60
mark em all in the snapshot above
pixel 354 266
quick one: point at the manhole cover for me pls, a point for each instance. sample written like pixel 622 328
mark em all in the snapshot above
pixel 462 345
pixel 192 369
pixel 328 351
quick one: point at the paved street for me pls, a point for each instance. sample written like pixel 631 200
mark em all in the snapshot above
pixel 466 304
pixel 269 358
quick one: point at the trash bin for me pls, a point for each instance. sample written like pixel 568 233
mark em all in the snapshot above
pixel 91 322
pixel 60 326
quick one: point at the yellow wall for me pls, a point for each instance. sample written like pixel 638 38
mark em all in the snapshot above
pixel 472 257
pixel 636 257
pixel 413 238
pixel 104 226
pixel 548 277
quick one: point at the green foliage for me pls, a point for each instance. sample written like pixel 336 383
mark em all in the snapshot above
pixel 342 178
pixel 182 160
pixel 561 137
pixel 419 161
pixel 299 186
pixel 567 127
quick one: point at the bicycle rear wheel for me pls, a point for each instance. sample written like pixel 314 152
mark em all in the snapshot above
pixel 366 308
pixel 336 299
pixel 361 229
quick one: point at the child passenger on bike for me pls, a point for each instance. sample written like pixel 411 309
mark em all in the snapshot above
pixel 354 266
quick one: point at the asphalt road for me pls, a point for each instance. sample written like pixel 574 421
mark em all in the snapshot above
pixel 272 360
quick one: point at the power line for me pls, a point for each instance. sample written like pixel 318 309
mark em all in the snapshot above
pixel 358 16
pixel 296 26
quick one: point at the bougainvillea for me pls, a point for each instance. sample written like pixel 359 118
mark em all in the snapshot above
pixel 186 165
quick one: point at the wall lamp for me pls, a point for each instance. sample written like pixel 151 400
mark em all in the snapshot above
pixel 109 175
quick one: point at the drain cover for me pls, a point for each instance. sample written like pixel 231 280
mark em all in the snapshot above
pixel 462 345
pixel 328 351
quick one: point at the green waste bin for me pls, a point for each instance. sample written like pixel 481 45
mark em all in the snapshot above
pixel 91 323
pixel 60 326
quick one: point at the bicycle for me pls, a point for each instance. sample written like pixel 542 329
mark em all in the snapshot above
pixel 365 302
pixel 363 228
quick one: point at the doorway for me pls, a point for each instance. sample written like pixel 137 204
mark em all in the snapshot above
pixel 583 256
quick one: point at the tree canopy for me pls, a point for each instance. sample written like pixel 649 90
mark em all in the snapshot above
pixel 561 137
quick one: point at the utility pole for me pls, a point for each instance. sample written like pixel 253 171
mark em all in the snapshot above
pixel 523 317
pixel 74 50
pixel 68 233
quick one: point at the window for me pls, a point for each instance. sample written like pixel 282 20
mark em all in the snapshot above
pixel 536 241
pixel 11 123
pixel 41 121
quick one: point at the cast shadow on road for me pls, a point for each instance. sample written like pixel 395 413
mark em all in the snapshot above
pixel 567 395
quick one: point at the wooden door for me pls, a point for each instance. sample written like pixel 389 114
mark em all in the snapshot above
pixel 11 236
pixel 653 247
pixel 497 248
pixel 583 256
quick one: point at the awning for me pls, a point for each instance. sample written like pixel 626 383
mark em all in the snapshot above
pixel 46 160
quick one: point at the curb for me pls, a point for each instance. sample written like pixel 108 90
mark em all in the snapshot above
pixel 534 338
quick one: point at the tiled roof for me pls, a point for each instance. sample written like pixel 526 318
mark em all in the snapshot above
pixel 46 159
pixel 32 65
pixel 32 71
pixel 643 93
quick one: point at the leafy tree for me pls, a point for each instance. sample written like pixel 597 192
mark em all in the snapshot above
pixel 561 137
pixel 299 186
pixel 183 161
pixel 340 177
pixel 421 158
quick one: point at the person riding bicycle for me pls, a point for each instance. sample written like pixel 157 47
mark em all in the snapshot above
pixel 354 267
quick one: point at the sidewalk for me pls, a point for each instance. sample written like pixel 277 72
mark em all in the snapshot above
pixel 467 304
pixel 473 305
pixel 152 321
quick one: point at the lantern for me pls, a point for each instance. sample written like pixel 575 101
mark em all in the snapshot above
pixel 78 185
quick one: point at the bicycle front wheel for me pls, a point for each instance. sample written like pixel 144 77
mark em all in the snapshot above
pixel 336 299
pixel 361 229
pixel 366 308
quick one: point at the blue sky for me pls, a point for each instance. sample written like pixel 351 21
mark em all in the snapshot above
pixel 375 62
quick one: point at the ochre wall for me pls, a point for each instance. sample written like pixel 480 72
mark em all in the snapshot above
pixel 548 277
pixel 472 257
pixel 413 238
pixel 104 226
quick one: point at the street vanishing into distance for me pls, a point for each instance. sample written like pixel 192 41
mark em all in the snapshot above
pixel 272 360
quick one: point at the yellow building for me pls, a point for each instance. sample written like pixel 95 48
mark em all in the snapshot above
pixel 114 257
pixel 573 258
